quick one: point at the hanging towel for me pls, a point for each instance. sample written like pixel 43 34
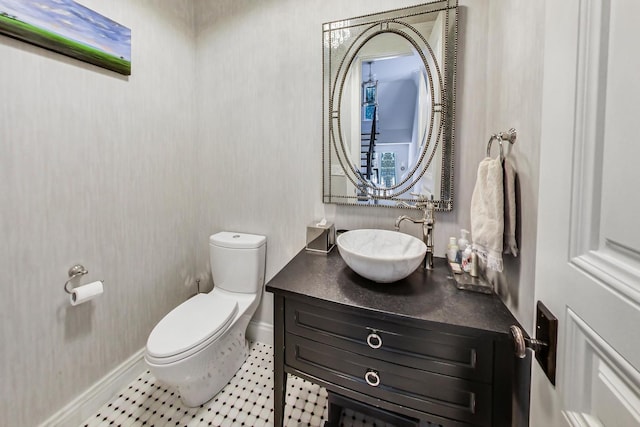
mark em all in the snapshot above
pixel 487 213
pixel 510 245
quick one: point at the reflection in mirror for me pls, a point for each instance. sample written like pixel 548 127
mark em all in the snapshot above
pixel 389 86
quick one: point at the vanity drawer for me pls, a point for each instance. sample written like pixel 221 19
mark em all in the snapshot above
pixel 381 338
pixel 427 392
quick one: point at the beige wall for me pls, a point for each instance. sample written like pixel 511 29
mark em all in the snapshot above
pixel 98 169
pixel 259 78
pixel 514 99
pixel 219 127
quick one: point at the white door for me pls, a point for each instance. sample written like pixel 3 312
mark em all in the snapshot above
pixel 588 249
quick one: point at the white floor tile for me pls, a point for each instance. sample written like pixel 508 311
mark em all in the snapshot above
pixel 246 401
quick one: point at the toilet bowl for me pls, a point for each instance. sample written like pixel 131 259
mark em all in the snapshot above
pixel 200 345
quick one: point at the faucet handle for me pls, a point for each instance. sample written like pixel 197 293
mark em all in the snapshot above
pixel 429 209
pixel 424 202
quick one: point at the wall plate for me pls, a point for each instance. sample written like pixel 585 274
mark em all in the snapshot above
pixel 547 332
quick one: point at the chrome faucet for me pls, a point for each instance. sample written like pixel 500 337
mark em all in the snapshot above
pixel 428 220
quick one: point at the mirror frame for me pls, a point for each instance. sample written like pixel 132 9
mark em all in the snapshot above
pixel 342 40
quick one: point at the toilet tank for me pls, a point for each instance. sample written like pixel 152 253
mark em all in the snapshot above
pixel 238 261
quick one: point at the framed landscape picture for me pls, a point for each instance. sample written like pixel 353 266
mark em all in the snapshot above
pixel 69 28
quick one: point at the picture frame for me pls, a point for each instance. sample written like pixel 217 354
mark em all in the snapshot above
pixel 369 93
pixel 69 28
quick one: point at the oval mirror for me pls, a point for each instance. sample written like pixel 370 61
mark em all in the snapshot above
pixel 389 119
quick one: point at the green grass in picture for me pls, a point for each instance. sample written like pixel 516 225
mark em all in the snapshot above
pixel 43 38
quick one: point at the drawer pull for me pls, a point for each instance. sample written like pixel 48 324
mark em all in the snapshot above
pixel 374 340
pixel 372 378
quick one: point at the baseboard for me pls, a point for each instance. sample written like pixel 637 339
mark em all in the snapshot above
pixel 260 332
pixel 87 403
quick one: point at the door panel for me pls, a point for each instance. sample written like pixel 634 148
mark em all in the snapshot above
pixel 588 256
pixel 622 150
pixel 598 381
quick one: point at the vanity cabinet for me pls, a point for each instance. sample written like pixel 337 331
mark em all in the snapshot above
pixel 419 347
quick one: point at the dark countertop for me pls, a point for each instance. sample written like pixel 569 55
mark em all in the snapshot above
pixel 425 295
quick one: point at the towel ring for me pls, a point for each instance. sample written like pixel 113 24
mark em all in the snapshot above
pixel 489 146
pixel 509 136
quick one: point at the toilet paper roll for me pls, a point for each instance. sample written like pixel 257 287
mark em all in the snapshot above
pixel 86 292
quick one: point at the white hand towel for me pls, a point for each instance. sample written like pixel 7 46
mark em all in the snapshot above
pixel 510 245
pixel 487 213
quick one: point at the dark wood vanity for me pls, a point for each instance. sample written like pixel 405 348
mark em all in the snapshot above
pixel 420 347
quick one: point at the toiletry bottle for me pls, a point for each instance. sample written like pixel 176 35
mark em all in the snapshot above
pixel 466 259
pixel 452 249
pixel 473 272
pixel 463 244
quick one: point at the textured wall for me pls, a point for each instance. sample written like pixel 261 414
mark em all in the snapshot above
pixel 99 169
pixel 259 109
pixel 514 99
pixel 219 127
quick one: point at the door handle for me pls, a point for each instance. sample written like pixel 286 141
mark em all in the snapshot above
pixel 522 343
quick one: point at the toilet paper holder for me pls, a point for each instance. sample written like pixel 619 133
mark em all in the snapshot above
pixel 75 271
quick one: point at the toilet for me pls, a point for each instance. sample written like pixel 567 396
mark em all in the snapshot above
pixel 201 344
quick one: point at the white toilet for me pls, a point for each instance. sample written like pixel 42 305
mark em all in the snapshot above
pixel 201 344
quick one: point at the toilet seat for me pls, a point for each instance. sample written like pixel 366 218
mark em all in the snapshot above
pixel 188 328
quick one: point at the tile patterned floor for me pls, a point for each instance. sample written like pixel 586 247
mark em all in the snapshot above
pixel 246 401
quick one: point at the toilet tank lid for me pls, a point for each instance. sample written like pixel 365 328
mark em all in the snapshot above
pixel 229 239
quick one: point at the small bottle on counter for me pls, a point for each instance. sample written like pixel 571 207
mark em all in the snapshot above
pixel 473 271
pixel 452 249
pixel 466 259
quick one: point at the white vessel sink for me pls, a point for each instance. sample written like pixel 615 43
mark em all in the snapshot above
pixel 381 255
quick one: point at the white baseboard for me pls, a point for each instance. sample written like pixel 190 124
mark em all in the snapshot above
pixel 260 332
pixel 88 403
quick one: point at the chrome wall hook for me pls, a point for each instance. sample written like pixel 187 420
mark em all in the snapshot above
pixel 75 271
pixel 509 136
